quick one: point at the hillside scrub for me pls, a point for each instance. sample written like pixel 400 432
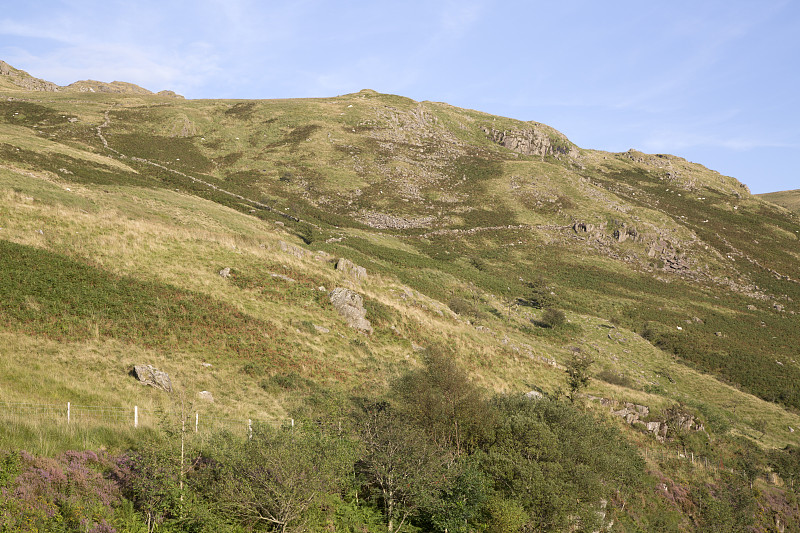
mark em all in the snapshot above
pixel 435 453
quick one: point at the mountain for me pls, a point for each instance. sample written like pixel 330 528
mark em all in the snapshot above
pixel 205 238
pixel 12 78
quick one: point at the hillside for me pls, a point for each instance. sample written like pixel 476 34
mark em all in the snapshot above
pixel 204 237
pixel 788 199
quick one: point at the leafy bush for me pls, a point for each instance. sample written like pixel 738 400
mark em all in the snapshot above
pixel 553 318
pixel 464 307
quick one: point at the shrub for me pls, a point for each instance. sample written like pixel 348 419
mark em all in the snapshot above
pixel 67 493
pixel 609 376
pixel 553 318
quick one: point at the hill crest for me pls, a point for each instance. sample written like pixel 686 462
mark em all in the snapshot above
pixel 25 81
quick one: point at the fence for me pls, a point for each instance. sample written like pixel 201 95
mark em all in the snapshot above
pixel 68 414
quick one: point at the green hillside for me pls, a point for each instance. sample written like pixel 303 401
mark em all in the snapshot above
pixel 202 237
pixel 788 199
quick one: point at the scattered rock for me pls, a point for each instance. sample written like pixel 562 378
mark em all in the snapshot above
pixel 225 272
pixel 778 307
pixel 206 396
pixel 386 221
pixel 291 249
pixel 283 277
pixel 534 395
pixel 321 329
pixel 148 375
pixel 207 365
pixel 351 269
pixel 752 307
pixel 350 306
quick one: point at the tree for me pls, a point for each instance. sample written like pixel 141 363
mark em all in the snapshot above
pixel 441 400
pixel 277 476
pixel 578 375
pixel 401 467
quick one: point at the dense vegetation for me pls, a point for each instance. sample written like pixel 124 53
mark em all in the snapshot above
pixel 434 453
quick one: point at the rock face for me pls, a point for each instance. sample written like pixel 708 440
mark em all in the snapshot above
pixel 25 80
pixel 534 141
pixel 350 306
pixel 148 375
pixel 351 269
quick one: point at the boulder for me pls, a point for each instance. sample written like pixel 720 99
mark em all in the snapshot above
pixel 350 306
pixel 350 269
pixel 206 396
pixel 225 272
pixel 148 375
pixel 534 395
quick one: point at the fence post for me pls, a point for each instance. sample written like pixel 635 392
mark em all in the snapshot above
pixel 196 420
pixel 68 411
pixel 249 429
pixel 136 416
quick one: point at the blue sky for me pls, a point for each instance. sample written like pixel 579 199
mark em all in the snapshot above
pixel 715 82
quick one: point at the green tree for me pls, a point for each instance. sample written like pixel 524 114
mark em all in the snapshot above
pixel 578 374
pixel 275 478
pixel 558 463
pixel 440 399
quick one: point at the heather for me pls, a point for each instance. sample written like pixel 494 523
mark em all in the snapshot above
pixel 432 452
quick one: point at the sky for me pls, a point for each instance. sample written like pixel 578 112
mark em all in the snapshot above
pixel 716 82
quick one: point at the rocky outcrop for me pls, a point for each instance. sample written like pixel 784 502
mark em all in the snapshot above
pixel 147 375
pixel 534 141
pixel 25 80
pixel 350 269
pixel 674 420
pixel 350 306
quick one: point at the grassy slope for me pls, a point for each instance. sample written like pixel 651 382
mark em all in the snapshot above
pixel 788 199
pixel 122 223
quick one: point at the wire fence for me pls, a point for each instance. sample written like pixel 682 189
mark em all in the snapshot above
pixel 68 414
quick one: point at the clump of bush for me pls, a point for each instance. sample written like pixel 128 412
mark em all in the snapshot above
pixel 614 378
pixel 553 318
pixel 464 307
